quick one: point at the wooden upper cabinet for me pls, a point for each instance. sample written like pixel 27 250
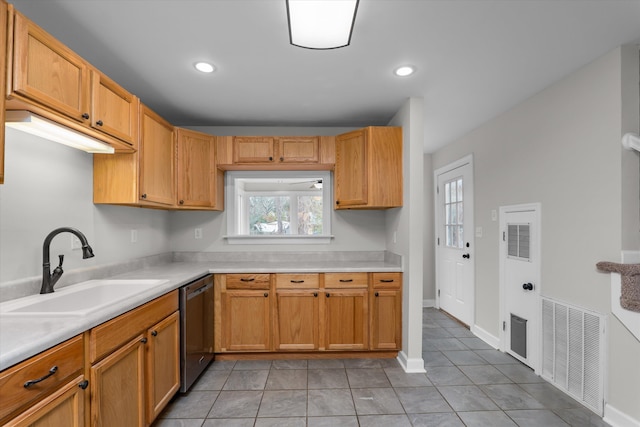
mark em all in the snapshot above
pixel 114 111
pixel 368 171
pixel 157 159
pixel 50 80
pixel 275 152
pixel 48 72
pixel 4 16
pixel 200 183
pixel 298 149
pixel 253 149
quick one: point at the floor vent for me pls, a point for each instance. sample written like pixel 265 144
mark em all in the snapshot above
pixel 573 351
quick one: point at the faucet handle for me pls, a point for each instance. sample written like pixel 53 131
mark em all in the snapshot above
pixel 61 257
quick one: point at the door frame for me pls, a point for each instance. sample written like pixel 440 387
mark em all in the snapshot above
pixel 537 252
pixel 468 216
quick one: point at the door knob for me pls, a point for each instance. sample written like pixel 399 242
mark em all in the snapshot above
pixel 527 287
pixel 467 256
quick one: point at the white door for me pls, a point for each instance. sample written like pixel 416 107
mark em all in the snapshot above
pixel 520 277
pixel 454 240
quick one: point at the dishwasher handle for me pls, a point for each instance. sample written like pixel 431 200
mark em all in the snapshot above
pixel 194 293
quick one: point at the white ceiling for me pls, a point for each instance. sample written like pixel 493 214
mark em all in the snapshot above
pixel 475 58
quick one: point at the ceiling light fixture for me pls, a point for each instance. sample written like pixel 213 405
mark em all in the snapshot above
pixel 204 67
pixel 404 71
pixel 27 122
pixel 321 24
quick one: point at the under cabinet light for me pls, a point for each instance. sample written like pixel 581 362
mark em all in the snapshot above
pixel 321 24
pixel 28 122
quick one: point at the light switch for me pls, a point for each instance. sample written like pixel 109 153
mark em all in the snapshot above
pixel 478 231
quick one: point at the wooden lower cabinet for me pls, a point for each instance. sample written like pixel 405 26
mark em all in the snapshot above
pixel 246 320
pixel 308 312
pixel 117 387
pixel 135 365
pixel 346 319
pixel 65 407
pixel 386 311
pixel 163 356
pixel 297 320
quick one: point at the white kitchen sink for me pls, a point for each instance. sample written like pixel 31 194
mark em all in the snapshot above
pixel 80 299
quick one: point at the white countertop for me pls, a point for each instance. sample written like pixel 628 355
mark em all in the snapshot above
pixel 22 337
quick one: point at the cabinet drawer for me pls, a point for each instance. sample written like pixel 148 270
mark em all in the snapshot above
pixel 248 281
pixel 297 281
pixel 386 280
pixel 110 335
pixel 345 280
pixel 66 357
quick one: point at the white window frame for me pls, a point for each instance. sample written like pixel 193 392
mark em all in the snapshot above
pixel 236 215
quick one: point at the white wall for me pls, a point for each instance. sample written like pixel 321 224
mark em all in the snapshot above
pixel 429 256
pixel 407 224
pixel 353 230
pixel 48 185
pixel 562 148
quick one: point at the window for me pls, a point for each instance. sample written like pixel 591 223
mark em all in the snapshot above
pixel 454 214
pixel 279 207
pixel 518 241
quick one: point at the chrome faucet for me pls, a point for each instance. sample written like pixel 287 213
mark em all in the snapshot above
pixel 49 279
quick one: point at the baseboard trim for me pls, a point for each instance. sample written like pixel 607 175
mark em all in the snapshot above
pixel 485 336
pixel 411 366
pixel 428 303
pixel 618 418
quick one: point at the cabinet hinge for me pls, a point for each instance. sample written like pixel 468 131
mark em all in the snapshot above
pixel 504 326
pixel 504 236
pixel 438 189
pixel 438 241
pixel 438 292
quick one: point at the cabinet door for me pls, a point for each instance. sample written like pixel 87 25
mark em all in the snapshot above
pixel 351 183
pixel 246 317
pixel 48 72
pixel 197 174
pixel 163 364
pixel 297 320
pixel 253 149
pixel 386 321
pixel 114 111
pixel 346 319
pixel 298 149
pixel 157 166
pixel 117 387
pixel 65 407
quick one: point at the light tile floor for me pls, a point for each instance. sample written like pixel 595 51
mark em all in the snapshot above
pixel 467 384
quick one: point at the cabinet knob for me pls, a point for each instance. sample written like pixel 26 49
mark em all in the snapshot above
pixel 143 340
pixel 84 384
pixel 386 280
pixel 337 202
pixel 377 294
pixel 328 294
pixel 282 159
pixel 270 159
pixel 154 333
pixel 99 123
pixel 144 196
pixel 85 116
pixel 266 294
pixel 181 202
pixel 315 294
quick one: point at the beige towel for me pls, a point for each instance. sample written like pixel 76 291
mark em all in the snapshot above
pixel 630 298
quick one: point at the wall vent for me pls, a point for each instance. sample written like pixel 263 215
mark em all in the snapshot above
pixel 573 351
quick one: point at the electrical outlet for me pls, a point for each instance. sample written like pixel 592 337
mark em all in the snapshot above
pixel 75 243
pixel 134 235
pixel 198 233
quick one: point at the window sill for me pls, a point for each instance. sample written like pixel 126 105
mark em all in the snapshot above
pixel 279 240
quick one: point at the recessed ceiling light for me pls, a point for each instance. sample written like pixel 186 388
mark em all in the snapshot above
pixel 204 67
pixel 404 71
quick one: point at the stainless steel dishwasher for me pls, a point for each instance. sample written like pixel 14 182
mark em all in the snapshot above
pixel 196 329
